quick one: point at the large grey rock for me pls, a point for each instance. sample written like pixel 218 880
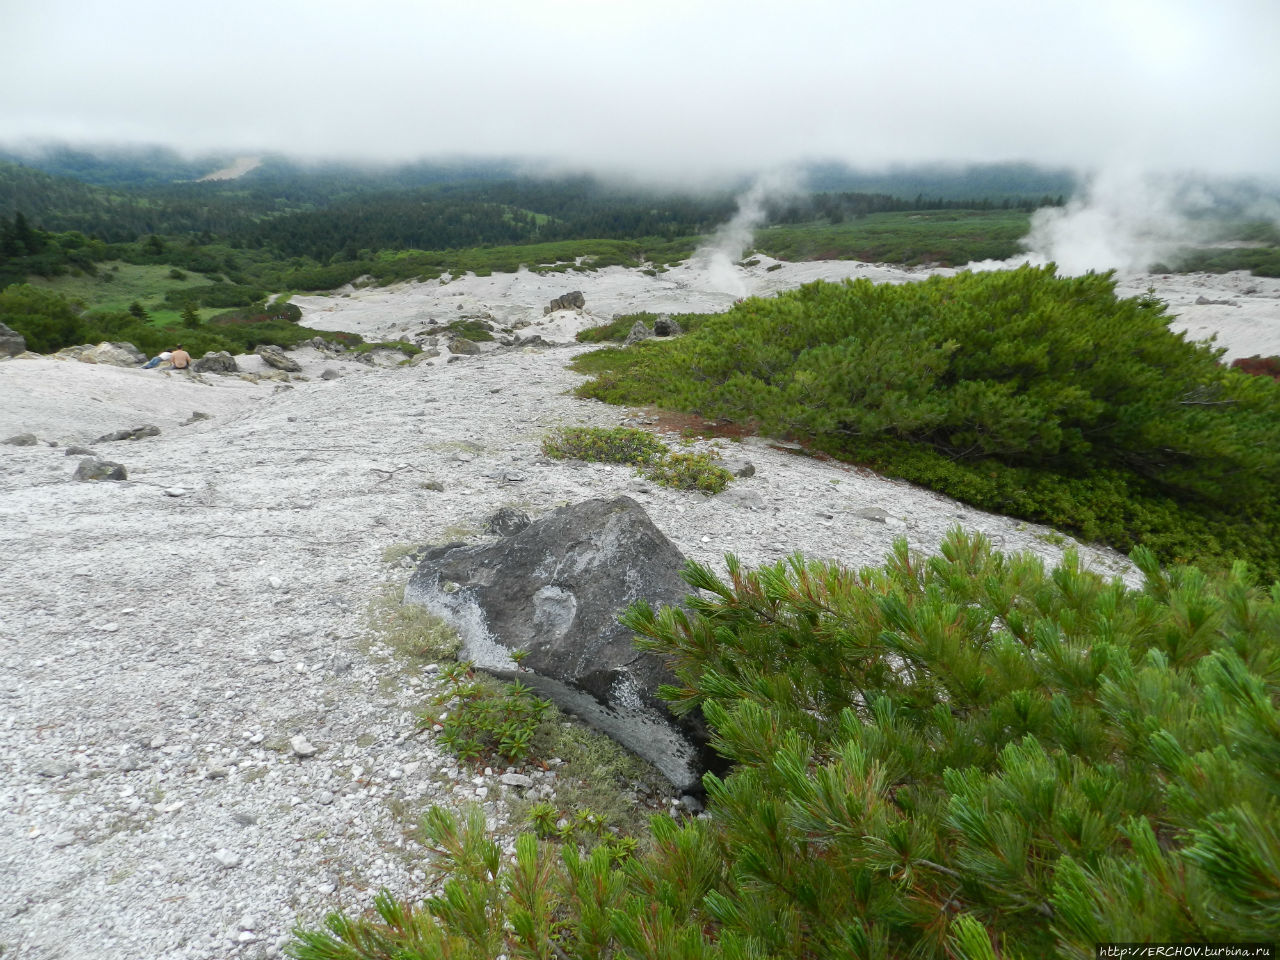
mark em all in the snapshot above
pixel 638 332
pixel 555 590
pixel 664 326
pixel 116 354
pixel 12 342
pixel 216 361
pixel 91 469
pixel 570 301
pixel 274 356
pixel 22 440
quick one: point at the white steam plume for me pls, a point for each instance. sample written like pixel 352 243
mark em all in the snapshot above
pixel 732 239
pixel 1124 220
pixel 1130 221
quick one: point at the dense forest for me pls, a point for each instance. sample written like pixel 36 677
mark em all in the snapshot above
pixel 324 211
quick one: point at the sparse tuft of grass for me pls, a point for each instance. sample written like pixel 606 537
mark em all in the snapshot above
pixel 411 630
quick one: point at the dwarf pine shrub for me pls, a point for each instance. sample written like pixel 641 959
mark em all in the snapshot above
pixel 690 471
pixel 1041 397
pixel 625 445
pixel 966 756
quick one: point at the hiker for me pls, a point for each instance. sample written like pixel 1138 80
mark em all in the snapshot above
pixel 180 359
pixel 158 359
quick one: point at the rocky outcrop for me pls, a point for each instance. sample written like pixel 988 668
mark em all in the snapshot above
pixel 216 361
pixel 274 356
pixel 570 301
pixel 12 342
pixel 663 326
pixel 116 354
pixel 555 590
pixel 639 331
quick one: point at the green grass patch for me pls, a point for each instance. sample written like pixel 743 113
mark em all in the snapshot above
pixel 947 237
pixel 477 331
pixel 146 284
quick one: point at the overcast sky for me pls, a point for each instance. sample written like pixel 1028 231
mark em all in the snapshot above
pixel 677 87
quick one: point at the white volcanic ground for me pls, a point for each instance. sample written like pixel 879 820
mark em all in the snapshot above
pixel 162 639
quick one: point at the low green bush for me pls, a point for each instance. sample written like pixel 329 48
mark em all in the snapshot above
pixel 966 756
pixel 1041 397
pixel 623 445
pixel 690 471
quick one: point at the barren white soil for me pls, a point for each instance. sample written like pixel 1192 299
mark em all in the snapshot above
pixel 163 638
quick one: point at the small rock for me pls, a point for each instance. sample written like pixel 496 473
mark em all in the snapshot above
pixel 435 485
pixel 91 469
pixel 275 582
pixel 216 773
pixel 227 859
pixel 109 627
pixel 175 492
pixel 690 804
pixel 516 780
pixel 74 451
pixel 55 768
pixel 22 440
pixel 301 746
pixel 877 514
pixel 514 476
pixel 276 656
pixel 64 839
pixel 463 456
pixel 324 797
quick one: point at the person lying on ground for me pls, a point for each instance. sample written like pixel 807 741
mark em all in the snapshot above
pixel 158 359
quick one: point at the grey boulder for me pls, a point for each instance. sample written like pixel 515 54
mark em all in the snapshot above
pixel 216 361
pixel 91 469
pixel 274 356
pixel 555 590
